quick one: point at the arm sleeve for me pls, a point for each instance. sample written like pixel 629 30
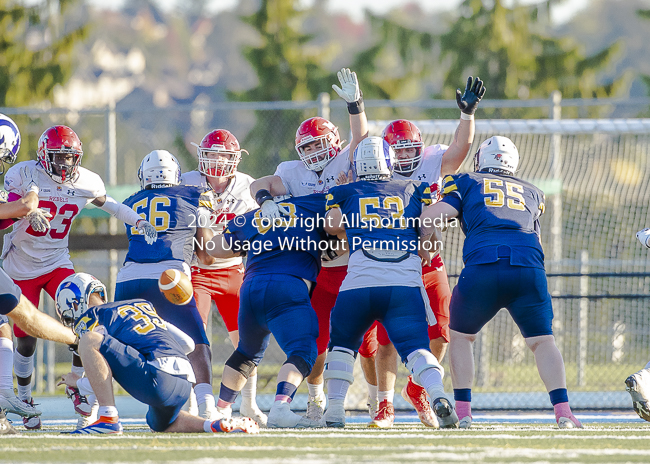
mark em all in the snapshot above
pixel 83 384
pixel 184 340
pixel 120 211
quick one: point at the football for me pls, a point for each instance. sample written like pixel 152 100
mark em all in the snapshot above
pixel 176 286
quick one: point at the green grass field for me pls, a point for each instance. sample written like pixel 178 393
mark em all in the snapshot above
pixel 410 443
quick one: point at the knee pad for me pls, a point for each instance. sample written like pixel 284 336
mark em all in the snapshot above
pixel 339 364
pixel 23 365
pixel 420 361
pixel 303 366
pixel 241 363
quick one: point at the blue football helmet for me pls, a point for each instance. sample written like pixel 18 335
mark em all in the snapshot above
pixel 374 159
pixel 73 294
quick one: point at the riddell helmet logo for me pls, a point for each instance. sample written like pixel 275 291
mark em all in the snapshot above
pixel 498 157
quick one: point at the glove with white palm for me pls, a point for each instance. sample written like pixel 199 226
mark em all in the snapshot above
pixel 271 210
pixel 29 179
pixel 150 233
pixel 349 90
pixel 39 220
pixel 643 236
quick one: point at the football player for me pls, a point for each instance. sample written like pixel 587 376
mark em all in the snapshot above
pixel 384 279
pixel 176 211
pixel 130 342
pixel 427 164
pixel 638 384
pixel 26 206
pixel 39 259
pixel 504 268
pixel 322 162
pixel 282 264
pixel 219 155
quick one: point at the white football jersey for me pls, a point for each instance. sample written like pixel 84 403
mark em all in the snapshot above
pixel 429 169
pixel 300 181
pixel 235 200
pixel 28 254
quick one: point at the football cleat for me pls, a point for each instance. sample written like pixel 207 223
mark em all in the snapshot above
pixel 335 414
pixel 373 407
pixel 281 416
pixel 447 417
pixel 385 416
pixel 416 396
pixel 235 425
pixel 569 423
pixel 34 422
pixel 79 401
pixel 316 407
pixel 250 409
pixel 465 422
pixel 103 426
pixel 638 386
pixel 5 426
pixel 10 403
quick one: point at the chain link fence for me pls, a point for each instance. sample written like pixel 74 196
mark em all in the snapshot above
pixel 595 174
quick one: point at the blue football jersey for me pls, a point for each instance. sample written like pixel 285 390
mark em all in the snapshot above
pixel 381 215
pixel 290 248
pixel 172 211
pixel 497 210
pixel 134 323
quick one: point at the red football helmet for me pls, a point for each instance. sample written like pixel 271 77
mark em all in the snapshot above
pixel 404 134
pixel 219 154
pixel 317 129
pixel 59 140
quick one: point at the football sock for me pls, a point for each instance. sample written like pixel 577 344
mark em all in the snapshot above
pixel 285 392
pixel 337 389
pixel 250 388
pixel 372 391
pixel 6 364
pixel 203 392
pixel 78 370
pixel 316 389
pixel 463 409
pixel 207 426
pixel 23 367
pixel 107 411
pixel 387 395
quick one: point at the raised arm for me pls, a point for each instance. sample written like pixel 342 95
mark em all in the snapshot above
pixel 351 93
pixel 464 136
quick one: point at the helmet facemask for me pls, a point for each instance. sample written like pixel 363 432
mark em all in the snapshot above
pixel 217 161
pixel 60 172
pixel 407 165
pixel 321 153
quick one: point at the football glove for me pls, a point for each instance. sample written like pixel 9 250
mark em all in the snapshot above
pixel 29 180
pixel 271 210
pixel 39 220
pixel 349 90
pixel 643 236
pixel 150 233
pixel 469 100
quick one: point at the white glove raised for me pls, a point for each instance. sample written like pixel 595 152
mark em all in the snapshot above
pixel 39 220
pixel 150 233
pixel 349 90
pixel 29 179
pixel 271 210
pixel 643 236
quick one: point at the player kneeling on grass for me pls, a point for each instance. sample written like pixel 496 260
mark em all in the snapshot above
pixel 504 268
pixel 281 269
pixel 129 342
pixel 384 279
pixel 638 384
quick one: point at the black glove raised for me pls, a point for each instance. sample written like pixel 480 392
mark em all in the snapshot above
pixel 468 102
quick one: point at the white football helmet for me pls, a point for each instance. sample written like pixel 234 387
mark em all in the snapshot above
pixel 497 154
pixel 73 294
pixel 159 169
pixel 9 139
pixel 374 159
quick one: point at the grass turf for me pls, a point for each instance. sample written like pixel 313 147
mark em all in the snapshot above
pixel 411 443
